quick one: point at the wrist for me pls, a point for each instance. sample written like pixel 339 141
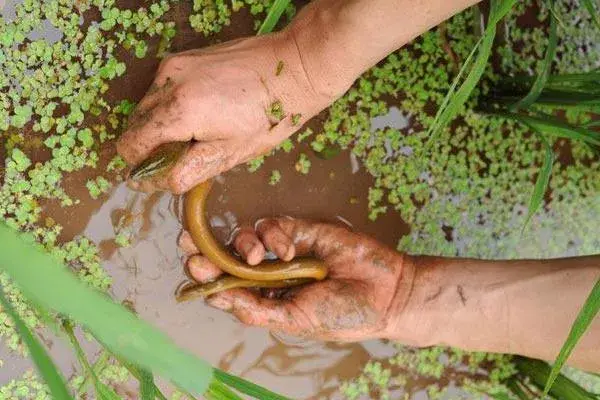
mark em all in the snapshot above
pixel 409 320
pixel 322 49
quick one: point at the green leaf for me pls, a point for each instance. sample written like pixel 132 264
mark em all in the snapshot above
pixel 219 391
pixel 592 8
pixel 46 281
pixel 103 392
pixel 585 317
pixel 455 99
pixel 542 78
pixel 22 162
pixel 246 387
pixel 273 16
pixel 40 357
pixel 541 183
pixel 552 126
pixel 147 386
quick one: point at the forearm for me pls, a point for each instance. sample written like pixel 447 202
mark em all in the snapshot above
pixel 340 39
pixel 518 307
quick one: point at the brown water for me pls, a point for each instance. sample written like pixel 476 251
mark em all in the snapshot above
pixel 148 273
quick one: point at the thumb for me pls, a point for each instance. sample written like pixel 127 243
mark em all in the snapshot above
pixel 253 310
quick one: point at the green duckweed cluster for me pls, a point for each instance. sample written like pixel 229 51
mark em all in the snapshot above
pixel 210 16
pixel 431 370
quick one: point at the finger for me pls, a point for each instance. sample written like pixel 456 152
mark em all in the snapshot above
pixel 149 185
pixel 202 161
pixel 150 128
pixel 324 240
pixel 201 269
pixel 186 243
pixel 275 239
pixel 248 245
pixel 251 309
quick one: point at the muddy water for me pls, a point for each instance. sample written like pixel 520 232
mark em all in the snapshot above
pixel 147 273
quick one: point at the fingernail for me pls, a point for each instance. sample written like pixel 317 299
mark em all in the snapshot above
pixel 220 302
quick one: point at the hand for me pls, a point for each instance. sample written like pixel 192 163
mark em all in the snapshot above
pixel 225 98
pixel 360 299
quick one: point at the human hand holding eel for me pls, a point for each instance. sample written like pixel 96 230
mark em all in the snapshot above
pixel 219 99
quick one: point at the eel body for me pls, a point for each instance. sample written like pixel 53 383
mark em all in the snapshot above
pixel 276 274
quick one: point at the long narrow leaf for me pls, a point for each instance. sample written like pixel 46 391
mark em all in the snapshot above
pixel 147 386
pixel 219 391
pixel 552 126
pixel 273 16
pixel 47 282
pixel 454 100
pixel 538 371
pixel 246 387
pixel 542 78
pixel 103 392
pixel 593 10
pixel 585 317
pixel 541 183
pixel 47 369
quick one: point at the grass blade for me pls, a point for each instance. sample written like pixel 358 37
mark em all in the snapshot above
pixel 538 372
pixel 273 16
pixel 219 391
pixel 103 392
pixel 542 78
pixel 147 385
pixel 592 8
pixel 455 99
pixel 139 375
pixel 41 278
pixel 246 387
pixel 47 369
pixel 552 126
pixel 585 317
pixel 541 183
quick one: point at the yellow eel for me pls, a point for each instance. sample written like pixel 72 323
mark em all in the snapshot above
pixel 276 274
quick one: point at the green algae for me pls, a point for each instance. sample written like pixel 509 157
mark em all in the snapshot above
pixel 210 16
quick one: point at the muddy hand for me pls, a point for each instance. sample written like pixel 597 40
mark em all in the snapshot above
pixel 235 101
pixel 354 303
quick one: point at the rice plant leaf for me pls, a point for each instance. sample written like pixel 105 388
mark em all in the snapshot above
pixel 592 8
pixel 246 387
pixel 455 99
pixel 552 126
pixel 220 391
pixel 499 9
pixel 542 78
pixel 139 375
pixel 103 392
pixel 541 183
pixel 43 279
pixel 554 13
pixel 592 124
pixel 585 317
pixel 47 369
pixel 273 16
pixel 147 386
